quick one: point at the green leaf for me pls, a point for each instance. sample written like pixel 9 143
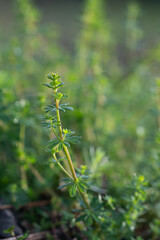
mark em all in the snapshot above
pixel 58 95
pixel 55 81
pixel 84 184
pixel 73 190
pixel 84 177
pixel 67 131
pixel 63 107
pixel 74 139
pixel 66 180
pixel 24 236
pixel 46 124
pixel 48 85
pixel 69 138
pixel 60 146
pixel 50 108
pixel 66 143
pixel 53 150
pixel 64 185
pixel 81 218
pixel 53 142
pixel 10 230
pixel 110 201
pixel 81 187
pixel 53 76
pixel 89 220
pixel 95 217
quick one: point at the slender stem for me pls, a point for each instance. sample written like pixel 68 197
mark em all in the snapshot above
pixel 56 133
pixel 63 169
pixel 85 199
pixel 68 156
pixel 70 162
pixel 60 126
pixel 64 147
pixel 59 120
pixel 66 165
pixel 74 174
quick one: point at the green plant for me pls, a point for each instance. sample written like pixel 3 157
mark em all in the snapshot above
pixel 17 126
pixel 63 138
pixel 118 120
pixel 10 231
pixel 101 215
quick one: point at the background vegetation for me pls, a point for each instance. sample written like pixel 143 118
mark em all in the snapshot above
pixel 113 83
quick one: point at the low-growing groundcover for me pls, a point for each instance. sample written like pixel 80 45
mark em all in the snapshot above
pixel 77 207
pixel 112 78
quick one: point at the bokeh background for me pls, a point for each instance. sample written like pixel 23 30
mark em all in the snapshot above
pixel 108 53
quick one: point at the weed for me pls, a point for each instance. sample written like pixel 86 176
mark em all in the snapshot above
pixel 101 215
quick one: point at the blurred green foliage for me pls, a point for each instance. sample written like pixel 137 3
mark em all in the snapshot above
pixel 116 95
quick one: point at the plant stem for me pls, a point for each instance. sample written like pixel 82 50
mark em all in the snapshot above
pixel 61 131
pixel 59 120
pixel 55 133
pixel 63 169
pixel 70 162
pixel 67 167
pixel 74 175
pixel 69 157
pixel 64 147
pixel 85 199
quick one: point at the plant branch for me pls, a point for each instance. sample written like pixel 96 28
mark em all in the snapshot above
pixel 69 157
pixel 63 169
